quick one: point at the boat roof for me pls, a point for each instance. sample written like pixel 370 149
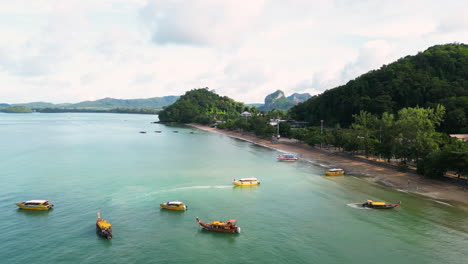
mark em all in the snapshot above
pixel 336 169
pixel 248 179
pixel 232 220
pixel 36 201
pixel 175 202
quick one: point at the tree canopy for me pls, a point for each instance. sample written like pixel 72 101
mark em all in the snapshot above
pixel 202 106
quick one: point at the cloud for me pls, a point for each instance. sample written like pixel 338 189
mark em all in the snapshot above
pixel 200 22
pixel 68 51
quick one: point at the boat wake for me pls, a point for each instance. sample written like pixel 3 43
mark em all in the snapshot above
pixel 191 188
pixel 440 202
pixel 357 206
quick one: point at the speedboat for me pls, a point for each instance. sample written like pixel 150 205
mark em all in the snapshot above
pixel 246 182
pixel 287 157
pixel 226 227
pixel 35 205
pixel 334 172
pixel 379 205
pixel 103 228
pixel 178 206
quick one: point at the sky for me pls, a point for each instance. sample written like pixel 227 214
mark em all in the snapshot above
pixel 71 51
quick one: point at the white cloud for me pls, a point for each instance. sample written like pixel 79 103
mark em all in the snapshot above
pixel 69 51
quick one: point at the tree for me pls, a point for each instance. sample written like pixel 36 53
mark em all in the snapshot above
pixel 415 130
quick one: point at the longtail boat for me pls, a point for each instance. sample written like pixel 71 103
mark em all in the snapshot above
pixel 218 226
pixel 103 227
pixel 334 172
pixel 380 205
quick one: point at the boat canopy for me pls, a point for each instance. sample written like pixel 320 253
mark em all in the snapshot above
pixel 175 203
pixel 378 203
pixel 36 201
pixel 335 169
pixel 248 179
pixel 232 220
pixel 104 224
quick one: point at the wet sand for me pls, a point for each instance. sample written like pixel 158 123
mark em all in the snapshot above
pixel 379 173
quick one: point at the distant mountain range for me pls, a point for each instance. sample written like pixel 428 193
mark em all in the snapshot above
pixel 106 103
pixel 279 101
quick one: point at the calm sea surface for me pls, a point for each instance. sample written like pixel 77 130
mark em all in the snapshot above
pixel 85 163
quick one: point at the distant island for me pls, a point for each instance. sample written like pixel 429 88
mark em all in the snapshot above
pixel 279 101
pixel 16 109
pixel 106 105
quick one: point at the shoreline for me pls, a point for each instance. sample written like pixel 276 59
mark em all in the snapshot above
pixel 400 181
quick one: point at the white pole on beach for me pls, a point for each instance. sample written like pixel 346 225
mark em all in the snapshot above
pixel 321 132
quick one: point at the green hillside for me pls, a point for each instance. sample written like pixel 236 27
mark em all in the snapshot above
pixel 201 106
pixel 438 75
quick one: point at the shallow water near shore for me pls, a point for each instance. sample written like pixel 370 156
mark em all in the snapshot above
pixel 85 163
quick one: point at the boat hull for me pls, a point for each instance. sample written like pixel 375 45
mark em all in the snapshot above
pixel 334 173
pixel 210 227
pixel 239 183
pixel 103 232
pixel 34 207
pixel 287 160
pixel 387 206
pixel 175 208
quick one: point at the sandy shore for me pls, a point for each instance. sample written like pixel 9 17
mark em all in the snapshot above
pixel 407 182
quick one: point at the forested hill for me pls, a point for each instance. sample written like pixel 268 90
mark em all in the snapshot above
pixel 107 103
pixel 438 75
pixel 202 106
pixel 279 101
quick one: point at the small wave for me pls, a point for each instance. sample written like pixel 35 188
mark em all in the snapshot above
pixel 440 202
pixel 401 190
pixel 357 206
pixel 190 188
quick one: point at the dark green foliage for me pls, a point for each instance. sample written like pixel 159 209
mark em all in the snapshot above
pixel 17 109
pixel 202 106
pixel 452 157
pixel 438 75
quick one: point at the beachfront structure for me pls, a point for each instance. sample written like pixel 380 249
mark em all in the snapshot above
pixel 462 137
pixel 246 114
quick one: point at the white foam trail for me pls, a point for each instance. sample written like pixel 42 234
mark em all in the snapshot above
pixel 440 202
pixel 190 188
pixel 357 206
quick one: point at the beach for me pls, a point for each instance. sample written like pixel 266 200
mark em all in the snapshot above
pixel 446 192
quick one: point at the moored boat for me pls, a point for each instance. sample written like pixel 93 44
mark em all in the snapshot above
pixel 103 228
pixel 218 226
pixel 246 182
pixel 380 205
pixel 334 172
pixel 287 157
pixel 35 205
pixel 176 205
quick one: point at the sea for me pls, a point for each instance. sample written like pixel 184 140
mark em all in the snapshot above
pixel 86 163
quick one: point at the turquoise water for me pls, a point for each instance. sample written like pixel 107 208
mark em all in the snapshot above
pixel 85 163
